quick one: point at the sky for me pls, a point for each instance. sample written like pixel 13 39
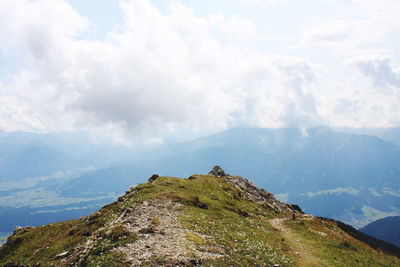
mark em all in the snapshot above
pixel 150 71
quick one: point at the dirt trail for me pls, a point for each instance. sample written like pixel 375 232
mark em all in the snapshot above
pixel 304 252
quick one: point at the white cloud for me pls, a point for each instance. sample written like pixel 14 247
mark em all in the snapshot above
pixel 177 70
pixel 36 25
pixel 349 27
pixel 15 116
pixel 234 26
pixel 337 191
pixel 161 72
pixel 379 69
pixel 345 35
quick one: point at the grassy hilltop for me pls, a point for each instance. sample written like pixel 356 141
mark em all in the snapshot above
pixel 201 220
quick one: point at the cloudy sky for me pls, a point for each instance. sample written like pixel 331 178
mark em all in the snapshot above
pixel 149 70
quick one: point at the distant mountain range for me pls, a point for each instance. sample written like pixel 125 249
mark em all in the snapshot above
pixel 346 174
pixel 350 177
pixel 387 229
pixel 389 134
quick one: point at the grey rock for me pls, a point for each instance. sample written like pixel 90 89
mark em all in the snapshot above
pixel 249 191
pixel 192 177
pixel 62 255
pixel 153 178
pixel 217 171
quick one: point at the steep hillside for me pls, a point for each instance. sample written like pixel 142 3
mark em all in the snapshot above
pixel 387 229
pixel 214 219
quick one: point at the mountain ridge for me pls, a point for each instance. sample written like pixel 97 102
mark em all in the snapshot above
pixel 356 172
pixel 385 229
pixel 215 219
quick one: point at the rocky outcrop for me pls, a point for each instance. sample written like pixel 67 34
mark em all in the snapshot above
pixel 259 195
pixel 250 191
pixel 153 178
pixel 217 171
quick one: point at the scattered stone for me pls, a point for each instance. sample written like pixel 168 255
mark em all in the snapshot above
pixel 62 255
pixel 153 178
pixel 168 239
pixel 217 171
pixel 264 198
pixel 147 230
pixel 22 229
pixel 195 262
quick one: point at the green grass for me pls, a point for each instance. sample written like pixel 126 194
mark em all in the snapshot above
pixel 40 244
pixel 337 248
pixel 34 245
pixel 195 238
